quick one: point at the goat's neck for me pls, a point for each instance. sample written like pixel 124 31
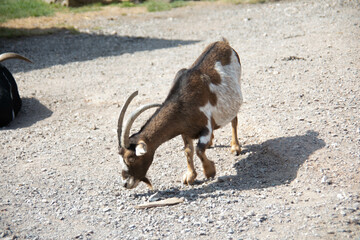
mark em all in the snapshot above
pixel 163 126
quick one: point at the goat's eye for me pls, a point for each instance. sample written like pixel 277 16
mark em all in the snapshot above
pixel 130 159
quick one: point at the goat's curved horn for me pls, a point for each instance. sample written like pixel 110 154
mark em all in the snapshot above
pixel 10 55
pixel 125 135
pixel 122 114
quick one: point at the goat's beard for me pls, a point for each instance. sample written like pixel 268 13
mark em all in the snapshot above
pixel 147 181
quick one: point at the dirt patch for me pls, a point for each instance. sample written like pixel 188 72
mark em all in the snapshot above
pixel 299 172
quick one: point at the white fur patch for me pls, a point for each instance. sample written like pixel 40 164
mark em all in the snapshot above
pixel 123 165
pixel 228 93
pixel 207 111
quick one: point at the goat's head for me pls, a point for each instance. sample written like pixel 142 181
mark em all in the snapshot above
pixel 135 154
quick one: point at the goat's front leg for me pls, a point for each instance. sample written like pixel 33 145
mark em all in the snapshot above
pixel 190 175
pixel 235 146
pixel 204 142
pixel 211 140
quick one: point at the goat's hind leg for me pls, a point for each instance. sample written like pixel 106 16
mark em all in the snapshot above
pixel 235 146
pixel 203 144
pixel 190 176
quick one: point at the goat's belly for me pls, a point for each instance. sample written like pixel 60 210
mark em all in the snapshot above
pixel 229 100
pixel 227 106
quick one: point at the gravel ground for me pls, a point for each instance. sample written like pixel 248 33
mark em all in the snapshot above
pixel 298 176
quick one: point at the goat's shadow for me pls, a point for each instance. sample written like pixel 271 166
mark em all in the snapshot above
pixel 271 163
pixel 31 112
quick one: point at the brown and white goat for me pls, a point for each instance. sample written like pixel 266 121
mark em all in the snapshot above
pixel 202 99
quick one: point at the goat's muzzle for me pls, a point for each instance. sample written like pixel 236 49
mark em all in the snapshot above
pixel 131 182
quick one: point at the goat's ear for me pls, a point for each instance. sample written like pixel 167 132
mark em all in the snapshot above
pixel 141 148
pixel 121 150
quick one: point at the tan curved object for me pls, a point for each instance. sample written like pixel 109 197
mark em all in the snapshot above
pixel 11 55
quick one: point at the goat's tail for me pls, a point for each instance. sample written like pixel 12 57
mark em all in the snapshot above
pixel 225 40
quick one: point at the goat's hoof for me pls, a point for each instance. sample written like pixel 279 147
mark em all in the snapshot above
pixel 209 169
pixel 189 178
pixel 235 149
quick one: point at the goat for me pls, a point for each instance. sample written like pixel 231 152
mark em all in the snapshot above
pixel 202 99
pixel 10 101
